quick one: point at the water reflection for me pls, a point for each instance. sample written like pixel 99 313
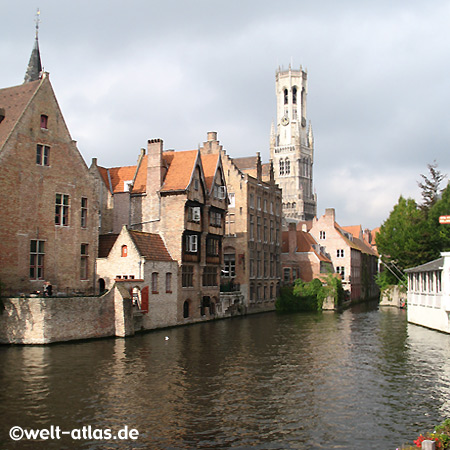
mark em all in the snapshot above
pixel 360 379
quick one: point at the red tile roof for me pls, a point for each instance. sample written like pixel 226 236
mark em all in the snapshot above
pixel 180 170
pixel 210 163
pixel 14 101
pixel 305 244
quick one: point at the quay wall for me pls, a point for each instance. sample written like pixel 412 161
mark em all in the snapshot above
pixel 58 319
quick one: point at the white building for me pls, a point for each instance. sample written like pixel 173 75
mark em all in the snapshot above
pixel 292 146
pixel 429 294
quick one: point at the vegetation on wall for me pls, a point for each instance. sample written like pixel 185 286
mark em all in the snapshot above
pixel 309 296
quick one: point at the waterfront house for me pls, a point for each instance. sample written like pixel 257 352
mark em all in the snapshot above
pixel 302 256
pixel 428 295
pixel 48 225
pixel 252 242
pixel 353 258
pixel 140 261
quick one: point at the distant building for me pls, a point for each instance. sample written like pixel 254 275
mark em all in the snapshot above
pixel 355 260
pixel 48 229
pixel 252 243
pixel 292 146
pixel 302 257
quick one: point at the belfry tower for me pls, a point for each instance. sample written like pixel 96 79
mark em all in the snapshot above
pixel 292 146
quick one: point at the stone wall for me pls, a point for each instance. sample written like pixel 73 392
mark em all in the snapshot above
pixel 47 320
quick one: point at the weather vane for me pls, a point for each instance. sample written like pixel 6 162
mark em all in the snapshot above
pixel 37 20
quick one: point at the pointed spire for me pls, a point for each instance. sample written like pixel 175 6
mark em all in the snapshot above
pixel 34 68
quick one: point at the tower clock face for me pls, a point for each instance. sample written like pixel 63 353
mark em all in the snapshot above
pixel 285 120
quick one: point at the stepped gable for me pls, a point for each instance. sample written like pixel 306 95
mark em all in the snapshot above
pixel 150 246
pixel 13 101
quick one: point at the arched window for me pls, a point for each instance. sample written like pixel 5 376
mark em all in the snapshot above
pixel 285 96
pixel 294 95
pixel 186 309
pixel 294 205
pixel 124 252
pixel 281 166
pixel 287 166
pixel 288 205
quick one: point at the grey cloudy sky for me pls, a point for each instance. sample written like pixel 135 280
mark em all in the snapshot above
pixel 125 72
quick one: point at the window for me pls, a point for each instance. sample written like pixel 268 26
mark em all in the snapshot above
pixel 196 184
pixel 124 251
pixel 37 259
pixel 294 95
pixel 340 252
pixel 154 282
pixel 285 96
pixel 230 228
pixel 265 205
pixel 252 228
pixel 322 235
pixel 187 276
pixel 252 201
pixel 287 166
pixel 258 228
pixel 265 230
pixel 194 214
pixel 259 203
pixel 44 121
pixel 212 247
pixel 84 262
pixel 231 200
pixel 281 166
pixel 186 309
pixel 62 210
pixel 84 212
pixel 271 231
pixel 191 243
pixel 215 219
pixel 42 155
pixel 210 276
pixel 287 275
pixel 341 271
pixel 271 207
pixel 229 265
pixel 168 283
pixel 220 192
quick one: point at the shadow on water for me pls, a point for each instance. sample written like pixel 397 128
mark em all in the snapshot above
pixel 362 378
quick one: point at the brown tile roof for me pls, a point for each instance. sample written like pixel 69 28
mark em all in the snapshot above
pixel 354 230
pixel 105 244
pixel 180 170
pixel 246 162
pixel 210 163
pixel 150 246
pixel 14 100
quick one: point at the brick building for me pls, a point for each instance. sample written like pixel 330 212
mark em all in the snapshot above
pixel 182 197
pixel 50 230
pixel 354 259
pixel 141 259
pixel 252 244
pixel 302 256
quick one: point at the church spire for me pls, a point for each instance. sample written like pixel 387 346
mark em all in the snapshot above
pixel 34 68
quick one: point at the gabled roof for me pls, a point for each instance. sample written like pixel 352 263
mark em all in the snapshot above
pixel 13 101
pixel 210 165
pixel 354 230
pixel 150 246
pixel 105 244
pixel 247 162
pixel 305 244
pixel 181 169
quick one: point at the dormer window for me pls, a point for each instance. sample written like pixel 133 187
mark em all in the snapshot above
pixel 44 122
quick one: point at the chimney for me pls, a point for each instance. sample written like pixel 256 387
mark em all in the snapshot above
pixel 292 232
pixel 212 136
pixel 330 214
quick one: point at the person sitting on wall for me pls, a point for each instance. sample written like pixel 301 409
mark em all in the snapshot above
pixel 48 289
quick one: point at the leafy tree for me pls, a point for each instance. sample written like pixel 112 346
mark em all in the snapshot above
pixel 440 233
pixel 430 186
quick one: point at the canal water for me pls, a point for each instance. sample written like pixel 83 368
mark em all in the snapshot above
pixel 360 379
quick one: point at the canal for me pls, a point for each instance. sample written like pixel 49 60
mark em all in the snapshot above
pixel 360 379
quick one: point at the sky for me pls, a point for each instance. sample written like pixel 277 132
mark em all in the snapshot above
pixel 125 72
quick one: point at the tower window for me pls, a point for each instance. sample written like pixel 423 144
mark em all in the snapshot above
pixel 285 96
pixel 294 95
pixel 281 167
pixel 287 166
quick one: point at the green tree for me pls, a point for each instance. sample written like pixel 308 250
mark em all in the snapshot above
pixel 440 233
